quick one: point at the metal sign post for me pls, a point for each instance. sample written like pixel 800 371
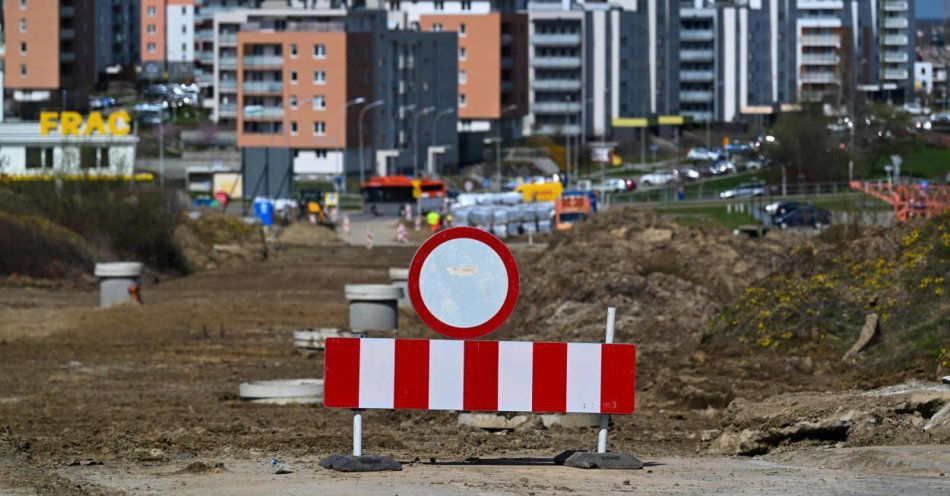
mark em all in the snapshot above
pixel 605 419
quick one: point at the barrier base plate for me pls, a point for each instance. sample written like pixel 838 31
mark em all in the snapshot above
pixel 365 463
pixel 580 459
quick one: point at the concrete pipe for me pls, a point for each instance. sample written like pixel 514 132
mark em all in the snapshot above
pixel 311 340
pixel 373 307
pixel 283 392
pixel 119 282
pixel 400 279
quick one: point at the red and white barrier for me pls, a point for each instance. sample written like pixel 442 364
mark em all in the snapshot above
pixel 505 376
pixel 369 239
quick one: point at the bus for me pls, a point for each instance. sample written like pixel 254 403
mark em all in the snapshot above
pixel 387 195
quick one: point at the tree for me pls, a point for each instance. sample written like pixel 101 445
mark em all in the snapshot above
pixel 806 147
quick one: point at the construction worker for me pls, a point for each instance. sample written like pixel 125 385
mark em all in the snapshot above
pixel 433 219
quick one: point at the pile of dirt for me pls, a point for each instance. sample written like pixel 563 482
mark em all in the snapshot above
pixel 34 247
pixel 307 234
pixel 215 239
pixel 905 414
pixel 816 303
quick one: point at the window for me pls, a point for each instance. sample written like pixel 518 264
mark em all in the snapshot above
pixel 293 77
pixel 463 77
pixel 320 153
pixel 184 10
pixel 319 77
pixel 463 53
pixel 22 4
pixel 466 5
pixel 293 102
pixel 320 51
pixel 22 25
pixel 151 29
pixel 293 50
pixel 319 102
pixel 184 29
pixel 22 48
pixel 184 49
pixel 394 5
pixel 439 5
pixel 151 11
pixel 22 70
pixel 436 28
pixel 319 128
pixel 462 100
pixel 150 47
pixel 462 30
pixel 293 128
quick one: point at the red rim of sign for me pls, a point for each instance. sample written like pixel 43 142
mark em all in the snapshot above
pixel 415 294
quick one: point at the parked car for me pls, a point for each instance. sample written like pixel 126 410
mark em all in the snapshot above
pixel 631 184
pixel 753 165
pixel 746 190
pixel 781 207
pixel 697 154
pixel 805 215
pixel 615 185
pixel 688 174
pixel 722 167
pixel 148 113
pixel 657 178
pixel 102 103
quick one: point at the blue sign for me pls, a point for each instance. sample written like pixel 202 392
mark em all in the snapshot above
pixel 264 210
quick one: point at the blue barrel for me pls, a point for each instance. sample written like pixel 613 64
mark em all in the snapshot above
pixel 264 210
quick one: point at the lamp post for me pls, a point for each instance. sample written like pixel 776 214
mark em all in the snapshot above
pixel 498 144
pixel 402 109
pixel 415 138
pixel 435 124
pixel 356 101
pixel 362 151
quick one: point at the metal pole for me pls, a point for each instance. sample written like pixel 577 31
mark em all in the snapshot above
pixel 357 432
pixel 498 162
pixel 161 148
pixel 605 419
pixel 362 151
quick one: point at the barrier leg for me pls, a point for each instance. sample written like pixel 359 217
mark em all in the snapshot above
pixel 357 432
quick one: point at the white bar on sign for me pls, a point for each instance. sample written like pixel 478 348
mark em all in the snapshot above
pixel 515 366
pixel 446 371
pixel 377 367
pixel 583 377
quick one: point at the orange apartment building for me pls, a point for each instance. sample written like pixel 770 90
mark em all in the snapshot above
pixel 167 30
pixel 492 74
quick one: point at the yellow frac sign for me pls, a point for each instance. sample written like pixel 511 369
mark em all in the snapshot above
pixel 72 123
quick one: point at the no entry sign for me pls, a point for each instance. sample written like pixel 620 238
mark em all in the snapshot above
pixel 463 282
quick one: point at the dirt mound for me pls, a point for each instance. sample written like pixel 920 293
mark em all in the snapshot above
pixel 910 413
pixel 816 303
pixel 216 239
pixel 306 234
pixel 34 247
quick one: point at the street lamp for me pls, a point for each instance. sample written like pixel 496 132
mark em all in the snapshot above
pixel 415 138
pixel 435 124
pixel 362 151
pixel 356 101
pixel 498 144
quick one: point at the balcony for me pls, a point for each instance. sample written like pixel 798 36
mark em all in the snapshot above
pixel 569 39
pixel 67 34
pixel 227 38
pixel 820 59
pixel 263 61
pixel 227 110
pixel 260 113
pixel 815 96
pixel 228 85
pixel 262 87
pixel 204 78
pixel 818 78
pixel 896 57
pixel 556 108
pixel 206 57
pixel 694 55
pixel 67 11
pixel 696 96
pixel 821 40
pixel 556 130
pixel 227 63
pixel 204 35
pixel 697 35
pixel 895 74
pixel 556 62
pixel 696 75
pixel 895 6
pixel 698 116
pixel 895 22
pixel 896 40
pixel 556 85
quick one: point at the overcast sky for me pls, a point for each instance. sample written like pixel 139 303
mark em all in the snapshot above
pixel 929 9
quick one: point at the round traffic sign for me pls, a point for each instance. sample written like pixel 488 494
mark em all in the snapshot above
pixel 463 282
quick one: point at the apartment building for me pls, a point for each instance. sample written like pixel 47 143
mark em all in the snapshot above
pixel 306 81
pixel 168 39
pixel 205 42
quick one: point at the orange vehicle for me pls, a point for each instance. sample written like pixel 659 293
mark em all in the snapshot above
pixel 569 210
pixel 386 195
